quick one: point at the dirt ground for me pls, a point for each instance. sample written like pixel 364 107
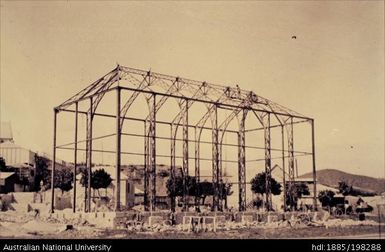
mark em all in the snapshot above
pixel 27 226
pixel 83 232
pixel 248 233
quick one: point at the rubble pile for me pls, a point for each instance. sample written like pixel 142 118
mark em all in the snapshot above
pixel 348 222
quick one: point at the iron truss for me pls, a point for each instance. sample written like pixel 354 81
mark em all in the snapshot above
pixel 157 89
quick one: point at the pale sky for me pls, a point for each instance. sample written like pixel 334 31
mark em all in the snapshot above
pixel 333 71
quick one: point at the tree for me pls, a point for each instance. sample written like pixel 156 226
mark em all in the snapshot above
pixel 258 184
pixel 99 179
pixel 202 189
pixel 175 187
pixel 345 188
pixel 326 198
pixel 63 179
pixel 42 172
pixel 294 191
pixel 3 166
pixel 205 189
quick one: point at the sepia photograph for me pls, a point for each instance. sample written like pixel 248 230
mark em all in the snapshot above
pixel 251 120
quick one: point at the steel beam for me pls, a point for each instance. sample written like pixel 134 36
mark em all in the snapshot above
pixel 130 101
pixel 152 136
pixel 53 163
pixel 267 138
pixel 264 119
pixel 118 150
pixel 146 167
pixel 86 91
pixel 290 149
pixel 210 102
pixel 242 163
pixel 283 168
pixel 101 91
pixel 89 156
pixel 314 166
pixel 197 132
pixel 86 172
pixel 185 166
pixel 277 125
pixel 215 162
pixel 75 155
pixel 172 165
pixel 143 120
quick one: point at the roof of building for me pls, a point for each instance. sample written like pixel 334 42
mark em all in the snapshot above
pixel 5 131
pixel 277 174
pixel 4 175
pixel 126 77
pixel 10 145
pixel 21 165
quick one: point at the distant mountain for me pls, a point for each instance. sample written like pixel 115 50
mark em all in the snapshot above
pixel 331 177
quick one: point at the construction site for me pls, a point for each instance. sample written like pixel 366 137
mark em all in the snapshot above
pixel 180 134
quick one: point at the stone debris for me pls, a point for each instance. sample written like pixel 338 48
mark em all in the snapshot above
pixel 70 225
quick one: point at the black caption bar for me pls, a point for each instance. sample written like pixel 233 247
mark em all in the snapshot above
pixel 114 245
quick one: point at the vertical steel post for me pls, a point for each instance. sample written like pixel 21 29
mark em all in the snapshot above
pixel 75 154
pixel 185 155
pixel 197 170
pixel 86 185
pixel 215 161
pixel 314 167
pixel 220 177
pixel 53 162
pixel 242 163
pixel 118 150
pixel 290 149
pixel 268 162
pixel 290 136
pixel 89 154
pixel 172 165
pixel 146 164
pixel 153 154
pixel 283 168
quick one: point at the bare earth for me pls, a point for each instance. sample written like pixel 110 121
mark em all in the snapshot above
pixel 13 225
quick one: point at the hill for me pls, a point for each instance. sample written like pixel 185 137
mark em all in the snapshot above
pixel 331 177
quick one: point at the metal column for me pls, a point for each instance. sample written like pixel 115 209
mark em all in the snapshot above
pixel 314 167
pixel 89 156
pixel 242 163
pixel 215 161
pixel 146 168
pixel 86 172
pixel 283 168
pixel 172 165
pixel 290 139
pixel 290 149
pixel 118 150
pixel 267 161
pixel 185 155
pixel 153 154
pixel 75 154
pixel 53 163
pixel 197 166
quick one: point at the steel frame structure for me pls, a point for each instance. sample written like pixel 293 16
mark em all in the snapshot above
pixel 157 89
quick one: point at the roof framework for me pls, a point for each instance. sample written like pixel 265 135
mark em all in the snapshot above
pixel 129 83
